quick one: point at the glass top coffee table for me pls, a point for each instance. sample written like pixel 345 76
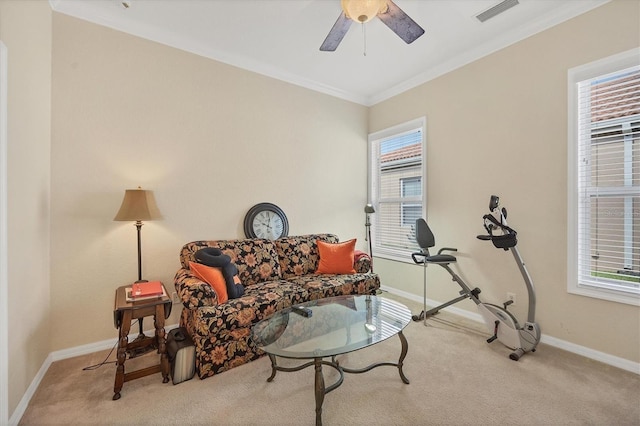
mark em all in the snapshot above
pixel 329 327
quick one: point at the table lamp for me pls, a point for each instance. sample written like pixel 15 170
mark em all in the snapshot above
pixel 138 205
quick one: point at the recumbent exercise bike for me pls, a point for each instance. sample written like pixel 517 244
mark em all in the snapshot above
pixel 499 321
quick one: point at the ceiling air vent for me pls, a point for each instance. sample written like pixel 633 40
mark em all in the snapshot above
pixel 497 9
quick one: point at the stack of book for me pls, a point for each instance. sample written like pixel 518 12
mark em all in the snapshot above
pixel 145 290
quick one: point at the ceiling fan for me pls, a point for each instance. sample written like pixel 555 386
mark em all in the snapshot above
pixel 363 11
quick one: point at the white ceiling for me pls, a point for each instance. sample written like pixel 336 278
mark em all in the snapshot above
pixel 281 38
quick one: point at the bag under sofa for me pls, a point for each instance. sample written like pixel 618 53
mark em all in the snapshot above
pixel 275 274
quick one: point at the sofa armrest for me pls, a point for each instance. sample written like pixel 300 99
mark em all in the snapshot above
pixel 362 263
pixel 223 321
pixel 192 291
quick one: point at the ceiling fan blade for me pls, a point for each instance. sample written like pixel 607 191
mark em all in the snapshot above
pixel 400 23
pixel 336 34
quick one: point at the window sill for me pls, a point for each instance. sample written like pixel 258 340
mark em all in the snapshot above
pixel 396 257
pixel 612 296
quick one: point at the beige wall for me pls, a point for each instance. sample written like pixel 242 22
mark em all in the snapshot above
pixel 499 126
pixel 25 28
pixel 209 139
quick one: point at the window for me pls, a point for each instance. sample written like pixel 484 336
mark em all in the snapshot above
pixel 397 188
pixel 604 202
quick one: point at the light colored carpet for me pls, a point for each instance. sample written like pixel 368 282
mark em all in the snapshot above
pixel 456 379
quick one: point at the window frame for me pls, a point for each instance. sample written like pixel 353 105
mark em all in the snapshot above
pixel 576 75
pixel 399 255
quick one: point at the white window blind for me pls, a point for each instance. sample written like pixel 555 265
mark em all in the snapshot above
pixel 397 188
pixel 608 182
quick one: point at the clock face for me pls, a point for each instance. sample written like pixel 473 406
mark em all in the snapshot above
pixel 268 225
pixel 266 220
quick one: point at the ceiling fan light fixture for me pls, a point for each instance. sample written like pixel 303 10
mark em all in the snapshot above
pixel 363 10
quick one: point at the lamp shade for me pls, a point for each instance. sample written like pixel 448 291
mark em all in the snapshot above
pixel 138 205
pixel 369 209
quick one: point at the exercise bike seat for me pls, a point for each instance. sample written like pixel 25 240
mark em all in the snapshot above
pixel 426 240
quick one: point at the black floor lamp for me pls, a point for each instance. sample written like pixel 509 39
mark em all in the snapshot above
pixel 138 205
pixel 368 209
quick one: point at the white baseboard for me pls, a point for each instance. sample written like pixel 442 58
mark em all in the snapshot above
pixel 24 402
pixel 65 354
pixel 99 346
pixel 603 357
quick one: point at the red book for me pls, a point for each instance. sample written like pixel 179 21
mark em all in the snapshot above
pixel 146 289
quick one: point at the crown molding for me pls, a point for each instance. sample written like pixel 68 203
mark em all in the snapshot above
pixel 82 10
pixel 572 10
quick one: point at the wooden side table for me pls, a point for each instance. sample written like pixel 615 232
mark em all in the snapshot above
pixel 123 313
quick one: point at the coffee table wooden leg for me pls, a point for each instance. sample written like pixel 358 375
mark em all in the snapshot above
pixel 319 390
pixel 403 354
pixel 122 353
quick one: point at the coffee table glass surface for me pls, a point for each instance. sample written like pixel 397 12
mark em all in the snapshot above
pixel 337 325
pixel 329 327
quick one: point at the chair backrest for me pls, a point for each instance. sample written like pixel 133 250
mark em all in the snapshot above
pixel 424 236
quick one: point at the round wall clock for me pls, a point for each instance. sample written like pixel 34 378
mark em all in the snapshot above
pixel 266 220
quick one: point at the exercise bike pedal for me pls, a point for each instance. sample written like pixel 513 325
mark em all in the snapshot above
pixel 495 332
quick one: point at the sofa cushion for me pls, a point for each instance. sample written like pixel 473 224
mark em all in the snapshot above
pixel 213 257
pixel 256 259
pixel 299 255
pixel 336 258
pixel 213 277
pixel 320 286
pixel 259 301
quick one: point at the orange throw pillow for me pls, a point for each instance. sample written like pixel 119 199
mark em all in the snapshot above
pixel 212 276
pixel 336 258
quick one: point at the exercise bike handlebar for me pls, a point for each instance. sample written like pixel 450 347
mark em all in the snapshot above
pixel 447 249
pixel 508 238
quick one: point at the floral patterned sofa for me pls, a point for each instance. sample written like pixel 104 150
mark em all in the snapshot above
pixel 276 274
